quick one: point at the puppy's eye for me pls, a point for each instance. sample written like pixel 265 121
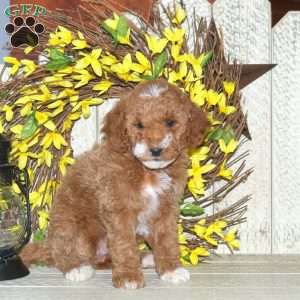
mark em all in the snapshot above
pixel 170 122
pixel 139 125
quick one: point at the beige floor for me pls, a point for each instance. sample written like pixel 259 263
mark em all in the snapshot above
pixel 230 277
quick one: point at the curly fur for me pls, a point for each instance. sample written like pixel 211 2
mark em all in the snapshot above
pixel 118 193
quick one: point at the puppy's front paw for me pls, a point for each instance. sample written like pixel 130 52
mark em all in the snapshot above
pixel 176 276
pixel 128 281
pixel 80 274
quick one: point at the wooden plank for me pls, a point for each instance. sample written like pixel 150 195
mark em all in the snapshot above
pixel 246 26
pixel 216 293
pixel 258 259
pixel 199 280
pixel 232 277
pixel 286 135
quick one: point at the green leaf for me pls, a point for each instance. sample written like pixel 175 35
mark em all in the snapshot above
pixel 57 60
pixel 207 58
pixel 226 134
pixel 186 258
pixel 56 65
pixel 3 94
pixel 216 134
pixel 190 209
pixel 159 64
pixel 147 77
pixel 29 127
pixel 39 236
pixel 55 54
pixel 122 26
pixel 112 32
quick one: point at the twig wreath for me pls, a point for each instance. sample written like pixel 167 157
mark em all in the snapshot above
pixel 98 59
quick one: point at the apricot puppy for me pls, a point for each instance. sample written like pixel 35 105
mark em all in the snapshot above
pixel 126 189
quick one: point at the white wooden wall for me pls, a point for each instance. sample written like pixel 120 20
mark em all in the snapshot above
pixel 286 135
pixel 273 106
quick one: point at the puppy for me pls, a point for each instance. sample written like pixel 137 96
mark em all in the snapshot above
pixel 125 190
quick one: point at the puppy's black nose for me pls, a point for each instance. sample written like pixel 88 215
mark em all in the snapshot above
pixel 156 151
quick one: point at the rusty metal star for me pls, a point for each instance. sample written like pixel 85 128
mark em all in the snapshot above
pixel 280 8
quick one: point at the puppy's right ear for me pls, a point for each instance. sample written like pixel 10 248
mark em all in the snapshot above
pixel 115 128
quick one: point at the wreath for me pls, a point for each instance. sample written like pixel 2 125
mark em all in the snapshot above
pixel 86 63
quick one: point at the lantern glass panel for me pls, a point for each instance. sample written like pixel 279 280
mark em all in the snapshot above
pixel 12 217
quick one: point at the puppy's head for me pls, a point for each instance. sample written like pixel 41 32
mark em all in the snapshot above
pixel 155 122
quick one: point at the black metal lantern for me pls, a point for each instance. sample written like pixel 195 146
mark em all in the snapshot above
pixel 15 219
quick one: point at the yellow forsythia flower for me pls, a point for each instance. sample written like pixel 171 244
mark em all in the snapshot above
pixel 198 93
pixel 43 219
pixel 29 66
pixel 224 172
pixel 217 227
pixel 223 108
pixel 84 78
pixel 143 61
pixel 85 105
pixel 14 62
pixel 155 44
pixel 195 253
pixel 9 114
pixel 64 35
pixel 1 127
pixel 229 87
pixel 180 15
pixel 230 239
pixel 175 53
pixel 199 154
pixel 54 138
pixel 174 35
pixel 230 147
pixel 112 23
pixel 196 63
pixel 90 59
pixel 45 157
pixel 103 86
pixel 80 43
pixel 65 160
pixel 28 49
pixel 212 97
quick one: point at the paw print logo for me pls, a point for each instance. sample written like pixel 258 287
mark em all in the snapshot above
pixel 24 33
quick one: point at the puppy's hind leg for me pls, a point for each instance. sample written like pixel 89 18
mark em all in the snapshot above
pixel 72 252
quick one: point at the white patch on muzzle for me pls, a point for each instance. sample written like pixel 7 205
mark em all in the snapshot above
pixel 140 149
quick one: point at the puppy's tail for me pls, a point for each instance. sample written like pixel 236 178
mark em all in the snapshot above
pixel 35 253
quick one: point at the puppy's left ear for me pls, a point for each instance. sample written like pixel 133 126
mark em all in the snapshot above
pixel 197 126
pixel 115 128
